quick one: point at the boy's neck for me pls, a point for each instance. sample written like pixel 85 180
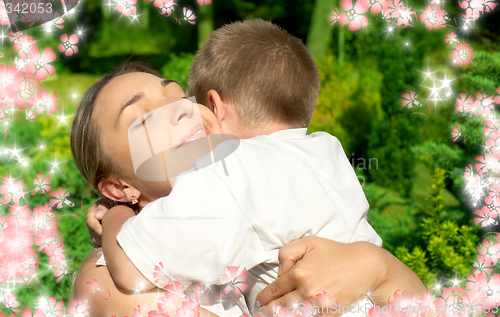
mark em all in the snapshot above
pixel 247 133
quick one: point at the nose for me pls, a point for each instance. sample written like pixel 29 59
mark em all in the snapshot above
pixel 182 109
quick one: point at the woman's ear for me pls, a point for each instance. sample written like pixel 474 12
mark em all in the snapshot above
pixel 216 104
pixel 118 190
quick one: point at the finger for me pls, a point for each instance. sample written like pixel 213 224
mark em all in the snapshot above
pixel 94 226
pixel 100 211
pixel 293 252
pixel 283 285
pixel 290 301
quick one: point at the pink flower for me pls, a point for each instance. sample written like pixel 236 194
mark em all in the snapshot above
pixel 24 45
pixel 127 7
pixel 377 6
pixel 463 54
pixel 189 16
pixel 486 216
pixel 78 307
pixel 60 199
pixel 236 282
pixel 13 191
pixel 166 6
pixel 41 183
pixel 475 8
pixel 433 17
pixel 353 15
pixel 58 23
pixel 38 65
pixel 201 2
pixel 158 272
pixel 46 103
pixel 188 309
pixel 410 100
pixel 451 38
pixel 93 286
pixel 396 10
pixel 27 91
pixel 68 46
pixel 456 133
pixel 464 103
pixel 4 18
pixel 51 307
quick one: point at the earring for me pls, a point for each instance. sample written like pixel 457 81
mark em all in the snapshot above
pixel 133 200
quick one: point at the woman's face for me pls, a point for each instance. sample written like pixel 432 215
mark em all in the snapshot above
pixel 128 98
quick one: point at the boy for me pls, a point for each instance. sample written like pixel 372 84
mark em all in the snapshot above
pixel 280 186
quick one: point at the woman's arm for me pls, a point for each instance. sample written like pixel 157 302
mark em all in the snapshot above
pixel 347 272
pixel 123 271
pixel 94 283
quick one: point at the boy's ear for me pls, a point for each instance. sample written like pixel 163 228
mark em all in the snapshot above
pixel 216 104
pixel 117 190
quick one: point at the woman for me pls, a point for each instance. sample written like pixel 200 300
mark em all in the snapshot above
pixel 100 147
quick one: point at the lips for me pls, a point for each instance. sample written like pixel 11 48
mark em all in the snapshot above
pixel 195 133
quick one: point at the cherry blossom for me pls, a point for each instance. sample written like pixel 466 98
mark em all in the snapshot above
pixel 463 54
pixel 433 17
pixel 68 46
pixel 201 2
pixel 464 103
pixel 46 103
pixel 127 7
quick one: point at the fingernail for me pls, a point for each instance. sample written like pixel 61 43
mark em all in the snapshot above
pixel 98 213
pixel 257 302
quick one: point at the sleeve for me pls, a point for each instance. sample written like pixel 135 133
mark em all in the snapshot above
pixel 193 234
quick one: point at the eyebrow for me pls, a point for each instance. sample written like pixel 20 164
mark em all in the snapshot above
pixel 138 96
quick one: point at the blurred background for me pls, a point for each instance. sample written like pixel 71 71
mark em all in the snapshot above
pixel 411 170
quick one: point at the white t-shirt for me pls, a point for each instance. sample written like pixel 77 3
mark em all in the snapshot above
pixel 278 188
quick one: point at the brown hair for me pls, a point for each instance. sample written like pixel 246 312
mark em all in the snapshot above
pixel 267 74
pixel 90 158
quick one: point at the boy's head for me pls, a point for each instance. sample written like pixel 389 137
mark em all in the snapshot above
pixel 268 75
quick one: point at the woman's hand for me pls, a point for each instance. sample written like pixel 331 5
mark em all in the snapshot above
pixel 95 213
pixel 347 272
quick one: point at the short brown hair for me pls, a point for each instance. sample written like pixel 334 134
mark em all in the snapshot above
pixel 267 74
pixel 91 159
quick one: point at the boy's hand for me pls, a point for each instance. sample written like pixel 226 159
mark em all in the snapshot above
pixel 347 272
pixel 95 213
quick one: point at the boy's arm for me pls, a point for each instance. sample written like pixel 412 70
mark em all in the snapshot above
pixel 346 271
pixel 123 271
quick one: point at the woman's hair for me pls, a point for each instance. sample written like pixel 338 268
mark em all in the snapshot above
pixel 91 159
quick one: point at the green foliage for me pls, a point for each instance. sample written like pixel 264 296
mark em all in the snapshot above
pixel 484 73
pixel 346 92
pixel 177 68
pixel 438 155
pixel 449 249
